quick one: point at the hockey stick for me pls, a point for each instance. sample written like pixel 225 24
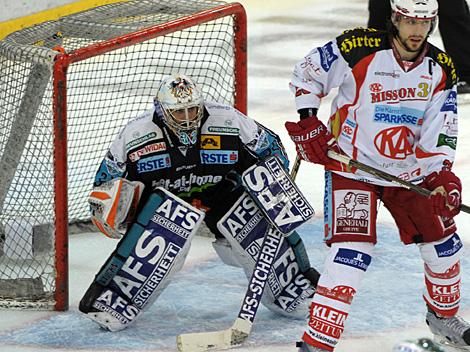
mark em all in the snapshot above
pixel 385 176
pixel 241 328
pixel 295 168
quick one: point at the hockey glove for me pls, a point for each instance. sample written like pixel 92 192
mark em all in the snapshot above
pixel 446 196
pixel 312 139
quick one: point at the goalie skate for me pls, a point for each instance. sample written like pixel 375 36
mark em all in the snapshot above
pixel 452 333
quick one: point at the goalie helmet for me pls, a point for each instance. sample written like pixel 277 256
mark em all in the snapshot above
pixel 417 9
pixel 181 105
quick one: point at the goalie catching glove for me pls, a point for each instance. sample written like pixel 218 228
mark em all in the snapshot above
pixel 312 139
pixel 446 196
pixel 113 205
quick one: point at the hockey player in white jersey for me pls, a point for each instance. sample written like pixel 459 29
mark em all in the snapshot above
pixel 396 111
pixel 183 155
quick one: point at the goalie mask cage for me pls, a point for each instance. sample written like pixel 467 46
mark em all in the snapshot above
pixel 66 89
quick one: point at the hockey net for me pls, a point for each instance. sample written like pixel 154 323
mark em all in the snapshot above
pixel 66 89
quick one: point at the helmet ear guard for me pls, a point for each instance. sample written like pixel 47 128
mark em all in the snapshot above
pixel 178 93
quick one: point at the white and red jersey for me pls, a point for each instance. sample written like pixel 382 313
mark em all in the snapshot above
pixel 392 115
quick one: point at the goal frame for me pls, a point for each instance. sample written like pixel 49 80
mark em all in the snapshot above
pixel 59 101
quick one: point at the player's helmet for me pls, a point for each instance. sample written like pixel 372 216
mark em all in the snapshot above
pixel 418 9
pixel 179 93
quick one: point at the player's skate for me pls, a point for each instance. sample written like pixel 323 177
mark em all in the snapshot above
pixel 305 347
pixel 451 332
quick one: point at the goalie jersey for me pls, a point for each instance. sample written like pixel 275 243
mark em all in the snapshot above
pixel 399 117
pixel 146 151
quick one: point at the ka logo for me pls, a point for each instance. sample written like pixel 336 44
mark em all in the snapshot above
pixel 395 142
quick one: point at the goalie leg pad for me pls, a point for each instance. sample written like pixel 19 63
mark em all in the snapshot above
pixel 224 250
pixel 144 262
pixel 276 195
pixel 288 291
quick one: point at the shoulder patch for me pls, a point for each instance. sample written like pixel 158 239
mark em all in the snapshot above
pixel 358 43
pixel 445 61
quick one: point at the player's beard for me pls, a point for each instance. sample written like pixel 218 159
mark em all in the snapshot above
pixel 407 47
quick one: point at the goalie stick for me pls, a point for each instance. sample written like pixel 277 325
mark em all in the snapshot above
pixel 385 176
pixel 241 328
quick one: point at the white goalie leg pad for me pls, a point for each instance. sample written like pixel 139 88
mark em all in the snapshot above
pixel 288 292
pixel 156 247
pixel 113 205
pixel 442 274
pixel 276 195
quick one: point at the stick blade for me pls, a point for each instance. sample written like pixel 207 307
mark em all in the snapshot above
pixel 215 340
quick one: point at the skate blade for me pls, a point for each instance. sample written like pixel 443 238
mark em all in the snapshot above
pixel 448 346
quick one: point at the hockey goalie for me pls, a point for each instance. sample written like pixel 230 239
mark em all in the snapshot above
pixel 167 171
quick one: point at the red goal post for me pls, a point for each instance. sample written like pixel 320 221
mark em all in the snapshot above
pixel 67 94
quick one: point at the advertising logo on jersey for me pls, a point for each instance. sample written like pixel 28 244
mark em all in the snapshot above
pixel 401 94
pixel 327 56
pixel 395 142
pixel 398 115
pixel 210 142
pixel 352 258
pixel 153 163
pixel 375 87
pixel 352 214
pixel 394 74
pixel 224 130
pixel 347 130
pixel 186 183
pixel 448 141
pixel 445 60
pixel 219 156
pixel 311 66
pixel 449 247
pixel 350 43
pixel 148 149
pixel 141 140
pixel 451 103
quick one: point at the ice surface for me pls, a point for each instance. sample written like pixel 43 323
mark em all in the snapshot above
pixel 206 294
